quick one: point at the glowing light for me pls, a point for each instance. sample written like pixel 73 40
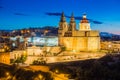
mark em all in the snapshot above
pixel 109 46
pixel 7 73
pixel 74 50
pixel 24 52
pixel 56 71
pixel 48 49
pixel 40 76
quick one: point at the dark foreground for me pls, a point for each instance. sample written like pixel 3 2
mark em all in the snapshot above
pixel 105 68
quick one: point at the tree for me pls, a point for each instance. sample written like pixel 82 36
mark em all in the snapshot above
pixel 39 61
pixel 63 48
pixel 21 59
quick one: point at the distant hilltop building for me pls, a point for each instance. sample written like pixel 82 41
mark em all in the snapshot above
pixel 83 39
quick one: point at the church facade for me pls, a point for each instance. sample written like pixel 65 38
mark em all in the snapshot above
pixel 83 39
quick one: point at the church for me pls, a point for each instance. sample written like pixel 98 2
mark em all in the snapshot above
pixel 83 39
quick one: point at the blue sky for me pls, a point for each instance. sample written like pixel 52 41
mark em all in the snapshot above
pixel 17 14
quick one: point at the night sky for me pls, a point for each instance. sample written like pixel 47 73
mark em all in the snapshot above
pixel 104 15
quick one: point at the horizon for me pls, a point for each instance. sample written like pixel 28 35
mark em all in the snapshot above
pixel 51 27
pixel 19 14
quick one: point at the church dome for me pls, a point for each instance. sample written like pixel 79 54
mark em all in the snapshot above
pixel 84 19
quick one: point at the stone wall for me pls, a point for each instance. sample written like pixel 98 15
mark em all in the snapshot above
pixel 17 53
pixel 42 50
pixel 82 43
pixel 65 58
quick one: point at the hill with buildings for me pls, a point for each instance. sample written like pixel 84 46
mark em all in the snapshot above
pixel 109 36
pixel 52 31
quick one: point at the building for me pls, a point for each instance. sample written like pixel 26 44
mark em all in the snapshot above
pixel 17 54
pixel 44 41
pixel 5 58
pixel 110 46
pixel 83 39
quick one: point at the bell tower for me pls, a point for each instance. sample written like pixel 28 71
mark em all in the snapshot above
pixel 72 25
pixel 63 26
pixel 84 24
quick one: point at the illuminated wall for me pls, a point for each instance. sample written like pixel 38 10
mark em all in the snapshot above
pixel 83 41
pixel 5 58
pixel 111 45
pixel 17 53
pixel 37 51
pixel 34 51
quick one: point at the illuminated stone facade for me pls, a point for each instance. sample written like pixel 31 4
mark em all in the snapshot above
pixel 113 46
pixel 37 51
pixel 5 58
pixel 83 39
pixel 17 54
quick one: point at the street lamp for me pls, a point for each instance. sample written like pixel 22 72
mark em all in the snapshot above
pixel 40 76
pixel 56 71
pixel 8 76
